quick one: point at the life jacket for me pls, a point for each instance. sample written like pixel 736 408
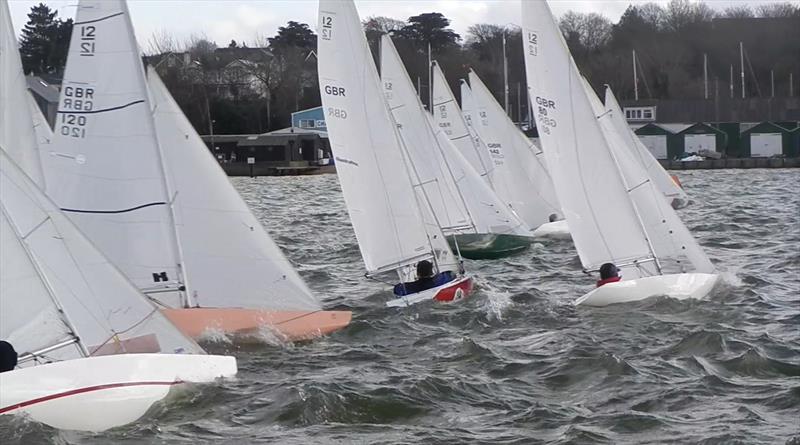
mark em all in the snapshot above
pixel 608 280
pixel 414 287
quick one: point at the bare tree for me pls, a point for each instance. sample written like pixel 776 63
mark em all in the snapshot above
pixel 776 10
pixel 161 42
pixel 592 30
pixel 682 13
pixel 739 12
pixel 383 25
pixel 653 14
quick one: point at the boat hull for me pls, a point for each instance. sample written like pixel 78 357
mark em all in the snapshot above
pixel 555 229
pixel 289 325
pixel 488 246
pixel 98 393
pixel 679 286
pixel 450 292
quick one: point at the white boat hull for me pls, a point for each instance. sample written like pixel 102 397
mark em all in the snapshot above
pixel 451 291
pixel 555 229
pixel 678 286
pixel 98 393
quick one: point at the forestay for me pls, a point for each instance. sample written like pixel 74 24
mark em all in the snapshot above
pixel 512 159
pixel 370 162
pixel 608 201
pixel 425 156
pixel 104 168
pixel 229 258
pixel 659 176
pixel 55 286
pixel 448 117
pixel 16 126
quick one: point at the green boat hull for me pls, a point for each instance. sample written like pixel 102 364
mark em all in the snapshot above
pixel 488 246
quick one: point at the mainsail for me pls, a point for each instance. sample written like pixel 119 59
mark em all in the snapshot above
pixel 654 169
pixel 613 210
pixel 447 115
pixel 461 200
pixel 519 179
pixel 104 168
pixel 426 159
pixel 17 134
pixel 393 227
pixel 59 297
pixel 229 259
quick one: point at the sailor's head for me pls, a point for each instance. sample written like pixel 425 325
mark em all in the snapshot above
pixel 424 269
pixel 608 270
pixel 8 356
pixel 553 217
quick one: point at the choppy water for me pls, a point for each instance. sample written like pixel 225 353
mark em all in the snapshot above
pixel 516 363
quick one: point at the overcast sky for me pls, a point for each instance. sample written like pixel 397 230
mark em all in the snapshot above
pixel 223 20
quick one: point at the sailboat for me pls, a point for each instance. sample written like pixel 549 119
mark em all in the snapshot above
pixel 615 212
pixel 95 353
pixel 663 181
pixel 522 177
pixel 472 218
pixel 388 207
pixel 131 172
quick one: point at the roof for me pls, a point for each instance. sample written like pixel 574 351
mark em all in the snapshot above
pixel 299 131
pixel 760 127
pixel 674 128
pixel 42 89
pixel 306 110
pixel 690 129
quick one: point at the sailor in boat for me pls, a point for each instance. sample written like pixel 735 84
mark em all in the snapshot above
pixel 608 274
pixel 553 217
pixel 8 357
pixel 426 279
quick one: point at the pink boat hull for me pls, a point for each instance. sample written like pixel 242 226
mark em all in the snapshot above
pixel 291 325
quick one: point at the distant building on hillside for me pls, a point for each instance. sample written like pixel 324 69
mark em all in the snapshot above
pixel 310 119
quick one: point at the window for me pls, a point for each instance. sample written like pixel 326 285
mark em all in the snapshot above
pixel 307 123
pixel 640 113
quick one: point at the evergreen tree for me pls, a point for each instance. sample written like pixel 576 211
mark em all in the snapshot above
pixel 45 41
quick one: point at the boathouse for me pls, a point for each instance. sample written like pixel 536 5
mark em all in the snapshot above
pixel 702 136
pixel 766 140
pixel 656 138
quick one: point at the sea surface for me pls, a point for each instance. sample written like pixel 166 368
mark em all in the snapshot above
pixel 516 363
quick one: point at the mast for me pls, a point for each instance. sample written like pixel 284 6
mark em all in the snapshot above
pixel 505 74
pixel 741 56
pixel 635 77
pixel 49 287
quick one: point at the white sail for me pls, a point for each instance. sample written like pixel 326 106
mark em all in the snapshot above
pixel 229 259
pixel 386 217
pixel 104 168
pixel 55 285
pixel 16 126
pixel 668 236
pixel 419 140
pixel 528 192
pixel 448 118
pixel 44 134
pixel 606 196
pixel 657 173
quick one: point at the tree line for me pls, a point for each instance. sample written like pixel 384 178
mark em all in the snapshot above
pixel 252 88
